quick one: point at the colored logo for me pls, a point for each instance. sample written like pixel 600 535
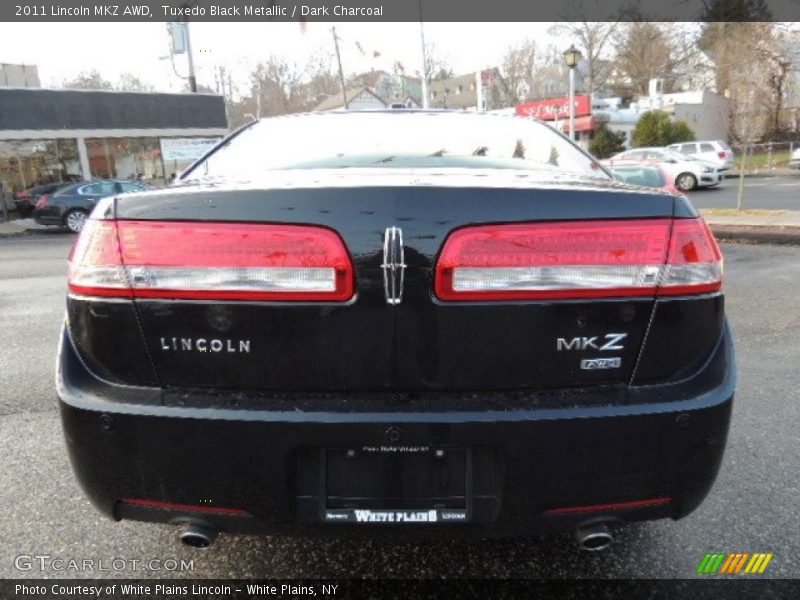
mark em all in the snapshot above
pixel 720 563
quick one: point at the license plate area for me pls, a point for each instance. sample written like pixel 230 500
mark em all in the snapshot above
pixel 396 485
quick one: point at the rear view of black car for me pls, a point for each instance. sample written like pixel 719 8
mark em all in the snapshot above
pixel 446 324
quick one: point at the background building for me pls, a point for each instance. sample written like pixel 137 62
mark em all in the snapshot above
pixel 61 135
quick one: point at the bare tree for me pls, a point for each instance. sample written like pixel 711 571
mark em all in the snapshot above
pixel 128 82
pixel 593 39
pixel 322 79
pixel 642 52
pixel 436 66
pixel 88 80
pixel 276 85
pixel 751 70
pixel 519 70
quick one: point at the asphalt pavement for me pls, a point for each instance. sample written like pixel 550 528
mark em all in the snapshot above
pixel 752 507
pixel 761 192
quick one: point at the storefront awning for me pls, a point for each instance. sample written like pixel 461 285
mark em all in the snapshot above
pixel 581 124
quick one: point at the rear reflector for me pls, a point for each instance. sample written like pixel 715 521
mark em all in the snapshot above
pixel 590 259
pixel 609 507
pixel 217 510
pixel 223 261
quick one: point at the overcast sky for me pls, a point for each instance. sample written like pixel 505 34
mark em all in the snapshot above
pixel 63 50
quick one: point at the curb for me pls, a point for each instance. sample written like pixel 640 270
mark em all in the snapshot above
pixel 758 234
pixel 747 175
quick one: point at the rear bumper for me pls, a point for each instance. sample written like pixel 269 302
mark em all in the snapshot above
pixel 656 447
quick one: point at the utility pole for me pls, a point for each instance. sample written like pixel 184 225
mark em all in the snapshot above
pixel 192 78
pixel 478 91
pixel 424 60
pixel 339 62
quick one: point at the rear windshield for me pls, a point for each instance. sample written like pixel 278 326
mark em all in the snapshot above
pixel 400 140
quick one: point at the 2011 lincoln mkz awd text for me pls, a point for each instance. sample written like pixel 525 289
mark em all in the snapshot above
pixel 434 322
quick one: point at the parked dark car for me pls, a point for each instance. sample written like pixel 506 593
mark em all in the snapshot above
pixel 450 323
pixel 70 205
pixel 25 200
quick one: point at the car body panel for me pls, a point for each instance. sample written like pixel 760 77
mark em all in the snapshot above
pixel 420 343
pixel 539 451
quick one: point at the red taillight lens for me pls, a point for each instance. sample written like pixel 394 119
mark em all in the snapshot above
pixel 42 201
pixel 592 259
pixel 694 261
pixel 722 154
pixel 225 261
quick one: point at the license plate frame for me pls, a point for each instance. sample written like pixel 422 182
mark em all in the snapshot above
pixel 454 464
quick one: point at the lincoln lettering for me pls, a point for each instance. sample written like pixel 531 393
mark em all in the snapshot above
pixel 212 345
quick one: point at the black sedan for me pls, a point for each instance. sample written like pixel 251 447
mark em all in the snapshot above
pixel 25 200
pixel 69 206
pixel 448 324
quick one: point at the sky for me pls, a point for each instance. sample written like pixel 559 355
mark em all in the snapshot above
pixel 62 51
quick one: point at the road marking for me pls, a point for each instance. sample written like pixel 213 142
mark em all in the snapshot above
pixel 793 184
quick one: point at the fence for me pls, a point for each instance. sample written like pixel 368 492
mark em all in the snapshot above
pixel 768 155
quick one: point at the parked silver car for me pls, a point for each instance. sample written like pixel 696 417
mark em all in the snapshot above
pixel 687 172
pixel 716 152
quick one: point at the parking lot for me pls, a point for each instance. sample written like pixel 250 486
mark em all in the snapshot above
pixel 752 507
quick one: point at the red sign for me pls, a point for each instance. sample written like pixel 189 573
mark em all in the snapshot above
pixel 581 124
pixel 555 108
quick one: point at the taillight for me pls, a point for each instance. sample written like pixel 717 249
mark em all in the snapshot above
pixel 42 201
pixel 224 261
pixel 694 261
pixel 591 259
pixel 722 154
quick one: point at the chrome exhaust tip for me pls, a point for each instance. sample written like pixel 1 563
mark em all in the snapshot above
pixel 594 537
pixel 198 536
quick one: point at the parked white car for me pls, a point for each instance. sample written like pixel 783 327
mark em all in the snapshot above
pixel 794 159
pixel 688 173
pixel 716 152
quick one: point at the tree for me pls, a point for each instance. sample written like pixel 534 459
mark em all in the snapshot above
pixel 606 142
pixel 277 87
pixel 519 68
pixel 655 128
pixel 681 132
pixel 593 40
pixel 642 52
pixel 128 82
pixel 88 80
pixel 436 66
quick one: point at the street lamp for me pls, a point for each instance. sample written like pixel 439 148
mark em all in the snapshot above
pixel 572 56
